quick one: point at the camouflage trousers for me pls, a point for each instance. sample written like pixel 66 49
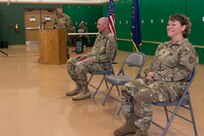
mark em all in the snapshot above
pixel 138 96
pixel 78 70
pixel 87 38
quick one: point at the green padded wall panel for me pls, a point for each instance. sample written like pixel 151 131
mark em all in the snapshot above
pixel 14 14
pixel 193 10
pixel 89 14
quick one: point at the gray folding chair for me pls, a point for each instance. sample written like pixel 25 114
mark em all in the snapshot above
pixel 108 71
pixel 134 60
pixel 183 102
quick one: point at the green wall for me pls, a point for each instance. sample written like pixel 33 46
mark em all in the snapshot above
pixel 154 17
pixel 122 12
pixel 87 13
pixel 14 14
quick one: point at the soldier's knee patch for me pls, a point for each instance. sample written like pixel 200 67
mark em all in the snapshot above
pixel 70 62
pixel 123 89
pixel 129 88
pixel 80 68
pixel 79 71
pixel 126 97
pixel 127 110
pixel 141 95
pixel 163 97
pixel 79 64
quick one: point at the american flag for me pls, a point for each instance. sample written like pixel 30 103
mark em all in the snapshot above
pixel 111 17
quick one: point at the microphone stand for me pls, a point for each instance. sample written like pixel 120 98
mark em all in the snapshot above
pixel 44 23
pixel 3 52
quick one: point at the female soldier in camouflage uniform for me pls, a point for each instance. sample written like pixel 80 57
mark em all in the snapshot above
pixel 164 81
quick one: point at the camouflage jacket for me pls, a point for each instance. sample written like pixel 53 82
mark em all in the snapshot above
pixel 84 27
pixel 103 48
pixel 63 22
pixel 173 61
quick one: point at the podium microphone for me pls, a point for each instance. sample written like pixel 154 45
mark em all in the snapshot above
pixel 44 23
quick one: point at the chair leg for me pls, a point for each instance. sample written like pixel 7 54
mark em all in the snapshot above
pixel 118 90
pixel 98 88
pixel 120 109
pixel 108 94
pixel 192 116
pixel 90 81
pixel 166 113
pixel 106 84
pixel 90 78
pixel 171 119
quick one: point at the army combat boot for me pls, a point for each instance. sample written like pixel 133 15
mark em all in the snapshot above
pixel 75 91
pixel 128 128
pixel 141 133
pixel 84 94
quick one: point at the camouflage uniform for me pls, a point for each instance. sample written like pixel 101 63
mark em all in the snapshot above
pixel 83 26
pixel 72 37
pixel 172 64
pixel 64 22
pixel 101 54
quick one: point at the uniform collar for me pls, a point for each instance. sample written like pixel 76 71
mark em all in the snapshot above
pixel 61 15
pixel 170 43
pixel 103 35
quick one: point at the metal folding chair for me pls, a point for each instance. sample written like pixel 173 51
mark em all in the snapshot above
pixel 184 102
pixel 134 60
pixel 108 71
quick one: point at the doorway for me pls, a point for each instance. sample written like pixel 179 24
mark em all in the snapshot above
pixel 36 19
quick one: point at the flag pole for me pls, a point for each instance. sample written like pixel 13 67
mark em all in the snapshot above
pixel 136 32
pixel 111 19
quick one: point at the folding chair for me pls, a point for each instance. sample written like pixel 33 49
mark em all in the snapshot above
pixel 184 102
pixel 134 60
pixel 108 71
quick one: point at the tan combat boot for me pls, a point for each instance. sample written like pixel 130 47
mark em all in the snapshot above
pixel 128 128
pixel 141 133
pixel 75 91
pixel 84 94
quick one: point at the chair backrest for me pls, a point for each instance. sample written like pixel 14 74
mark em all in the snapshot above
pixel 115 53
pixel 134 60
pixel 189 81
pixel 191 76
pixel 110 67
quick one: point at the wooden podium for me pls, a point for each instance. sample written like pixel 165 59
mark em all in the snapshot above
pixel 52 46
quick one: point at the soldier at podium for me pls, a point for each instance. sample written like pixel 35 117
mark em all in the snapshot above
pixel 98 59
pixel 64 22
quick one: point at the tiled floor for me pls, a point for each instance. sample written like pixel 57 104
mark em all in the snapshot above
pixel 33 101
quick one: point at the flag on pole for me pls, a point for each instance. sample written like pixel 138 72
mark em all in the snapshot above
pixel 136 32
pixel 111 17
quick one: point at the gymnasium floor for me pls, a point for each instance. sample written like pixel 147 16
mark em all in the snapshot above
pixel 33 101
